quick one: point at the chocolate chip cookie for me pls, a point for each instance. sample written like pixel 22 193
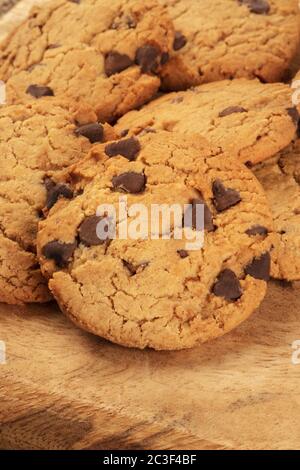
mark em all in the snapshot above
pixel 106 52
pixel 37 140
pixel 280 178
pixel 231 39
pixel 155 290
pixel 249 120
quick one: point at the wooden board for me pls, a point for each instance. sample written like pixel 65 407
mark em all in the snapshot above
pixel 62 388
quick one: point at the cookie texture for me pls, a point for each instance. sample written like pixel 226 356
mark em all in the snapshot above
pixel 106 52
pixel 158 293
pixel 37 140
pixel 230 39
pixel 249 120
pixel 280 178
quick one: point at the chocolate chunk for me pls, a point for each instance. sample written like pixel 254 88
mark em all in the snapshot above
pixel 88 231
pixel 130 182
pixel 134 269
pixel 260 268
pixel 179 41
pixel 59 252
pixel 257 230
pixel 224 198
pixel 53 46
pixel 128 148
pixel 165 57
pixel 131 23
pixel 228 286
pixel 56 191
pixel 94 132
pixel 293 113
pixel 232 110
pixel 148 58
pixel 192 217
pixel 39 91
pixel 183 254
pixel 116 63
pixel 259 7
pixel 124 133
pixel 130 267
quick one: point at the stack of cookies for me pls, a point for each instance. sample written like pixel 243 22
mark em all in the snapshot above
pixel 123 104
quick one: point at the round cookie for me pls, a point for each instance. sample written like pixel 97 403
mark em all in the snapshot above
pixel 106 52
pixel 249 120
pixel 280 178
pixel 37 140
pixel 159 293
pixel 230 39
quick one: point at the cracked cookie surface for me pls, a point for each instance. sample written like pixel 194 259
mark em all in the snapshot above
pixel 158 293
pixel 280 178
pixel 37 140
pixel 223 39
pixel 106 52
pixel 249 120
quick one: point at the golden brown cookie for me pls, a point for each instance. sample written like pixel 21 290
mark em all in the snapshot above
pixel 106 52
pixel 280 178
pixel 37 140
pixel 231 39
pixel 249 120
pixel 158 292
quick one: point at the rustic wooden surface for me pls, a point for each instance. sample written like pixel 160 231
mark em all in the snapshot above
pixel 62 388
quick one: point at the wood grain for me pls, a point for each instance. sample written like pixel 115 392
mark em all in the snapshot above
pixel 62 388
pixel 65 389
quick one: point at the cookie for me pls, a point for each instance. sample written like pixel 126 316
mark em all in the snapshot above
pixel 37 140
pixel 249 120
pixel 231 39
pixel 155 290
pixel 280 178
pixel 106 52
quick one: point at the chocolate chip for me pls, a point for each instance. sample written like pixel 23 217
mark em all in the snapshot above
pixel 88 231
pixel 134 269
pixel 295 116
pixel 53 46
pixel 56 191
pixel 179 41
pixel 148 58
pixel 133 183
pixel 131 23
pixel 249 164
pixel 116 63
pixel 165 57
pixel 257 230
pixel 232 110
pixel 94 132
pixel 124 133
pixel 191 216
pixel 59 252
pixel 128 148
pixel 224 198
pixel 260 268
pixel 257 6
pixel 183 254
pixel 39 91
pixel 228 286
